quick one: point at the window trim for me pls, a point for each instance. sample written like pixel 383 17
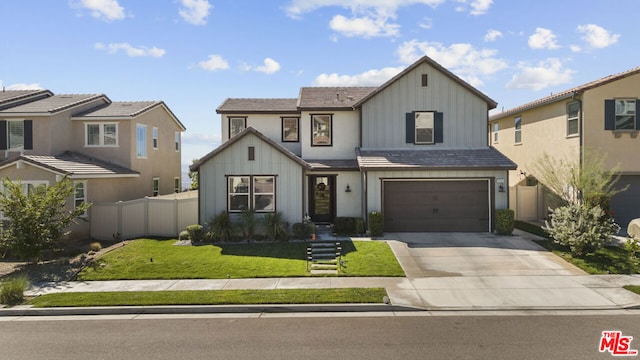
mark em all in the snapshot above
pixel 143 145
pixel 517 130
pixel 101 134
pixel 76 198
pixel 297 122
pixel 433 128
pixel 576 119
pixel 155 187
pixel 177 141
pixel 496 132
pixel 635 116
pixel 21 147
pixel 244 124
pixel 154 138
pixel 251 193
pixel 330 137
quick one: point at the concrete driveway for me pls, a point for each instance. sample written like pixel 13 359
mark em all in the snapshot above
pixel 475 254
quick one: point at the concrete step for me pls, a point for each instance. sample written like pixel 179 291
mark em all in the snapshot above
pixel 324 272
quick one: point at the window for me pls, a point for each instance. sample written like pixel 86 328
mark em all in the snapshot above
pixel 80 194
pixel 16 135
pixel 424 128
pixel 252 153
pixel 246 192
pixel 177 140
pixel 573 116
pixel 518 130
pixel 176 185
pixel 290 132
pixel 141 141
pixel 625 114
pixel 236 125
pixel 321 129
pixel 101 134
pixel 156 186
pixel 496 127
pixel 155 138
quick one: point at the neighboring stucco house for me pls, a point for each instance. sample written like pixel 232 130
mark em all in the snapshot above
pixel 113 151
pixel 414 149
pixel 599 116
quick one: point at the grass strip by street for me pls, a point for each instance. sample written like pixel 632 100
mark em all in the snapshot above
pixel 159 259
pixel 212 297
pixel 633 288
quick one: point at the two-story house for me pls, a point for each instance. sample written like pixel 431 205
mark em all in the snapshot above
pixel 599 116
pixel 414 148
pixel 113 151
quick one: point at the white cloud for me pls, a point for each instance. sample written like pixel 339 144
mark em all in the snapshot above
pixel 130 50
pixel 462 59
pixel 597 37
pixel 478 7
pixel 21 86
pixel 269 66
pixel 368 78
pixel 575 48
pixel 365 27
pixel 195 11
pixel 426 23
pixel 546 73
pixel 492 35
pixel 543 39
pixel 106 10
pixel 214 63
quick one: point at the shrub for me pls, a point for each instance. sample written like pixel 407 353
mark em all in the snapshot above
pixel 95 246
pixel 195 232
pixel 376 223
pixel 220 228
pixel 359 225
pixel 276 227
pixel 302 231
pixel 247 223
pixel 582 228
pixel 12 290
pixel 184 235
pixel 344 225
pixel 505 221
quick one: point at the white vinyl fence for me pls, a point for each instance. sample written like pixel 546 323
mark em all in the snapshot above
pixel 163 216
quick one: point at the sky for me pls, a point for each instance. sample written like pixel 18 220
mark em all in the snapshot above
pixel 193 54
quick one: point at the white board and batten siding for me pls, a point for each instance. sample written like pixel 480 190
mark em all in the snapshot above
pixel 233 161
pixel 269 125
pixel 345 135
pixel 465 114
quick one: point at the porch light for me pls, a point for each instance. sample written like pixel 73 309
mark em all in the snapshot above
pixel 348 189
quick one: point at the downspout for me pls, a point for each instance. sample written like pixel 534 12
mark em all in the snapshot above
pixel 580 130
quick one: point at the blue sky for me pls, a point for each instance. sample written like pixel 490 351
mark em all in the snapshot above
pixel 193 54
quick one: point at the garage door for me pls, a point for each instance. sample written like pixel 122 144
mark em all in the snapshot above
pixel 626 205
pixel 440 206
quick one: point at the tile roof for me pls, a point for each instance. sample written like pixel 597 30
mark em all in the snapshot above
pixel 78 166
pixel 455 159
pixel 562 95
pixel 124 110
pixel 347 164
pixel 10 98
pixel 247 106
pixel 55 103
pixel 312 98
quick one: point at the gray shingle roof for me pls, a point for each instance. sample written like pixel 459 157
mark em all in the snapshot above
pixel 55 103
pixel 247 106
pixel 76 165
pixel 455 159
pixel 312 98
pixel 562 95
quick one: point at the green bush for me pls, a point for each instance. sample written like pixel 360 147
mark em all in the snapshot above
pixel 302 231
pixel 505 221
pixel 12 290
pixel 359 225
pixel 582 228
pixel 95 246
pixel 196 232
pixel 275 226
pixel 247 223
pixel 376 223
pixel 344 225
pixel 184 235
pixel 220 228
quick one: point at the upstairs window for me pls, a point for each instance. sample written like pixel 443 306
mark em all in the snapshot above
pixel 16 135
pixel 424 127
pixel 518 130
pixel 496 127
pixel 141 140
pixel 321 130
pixel 101 134
pixel 573 116
pixel 15 132
pixel 155 138
pixel 177 140
pixel 290 132
pixel 236 125
pixel 621 114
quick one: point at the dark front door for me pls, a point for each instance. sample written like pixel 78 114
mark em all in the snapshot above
pixel 322 198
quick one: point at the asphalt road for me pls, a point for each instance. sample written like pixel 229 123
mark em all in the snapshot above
pixel 298 337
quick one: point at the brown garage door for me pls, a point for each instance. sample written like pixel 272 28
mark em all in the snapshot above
pixel 444 206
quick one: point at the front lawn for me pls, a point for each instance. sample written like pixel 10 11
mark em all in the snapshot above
pixel 160 259
pixel 213 297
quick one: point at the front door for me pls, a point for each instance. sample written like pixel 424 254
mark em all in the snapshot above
pixel 322 198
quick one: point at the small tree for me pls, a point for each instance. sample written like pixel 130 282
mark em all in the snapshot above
pixel 193 175
pixel 38 218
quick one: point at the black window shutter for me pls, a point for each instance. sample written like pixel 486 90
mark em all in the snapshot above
pixel 609 115
pixel 28 134
pixel 438 125
pixel 637 112
pixel 411 128
pixel 3 135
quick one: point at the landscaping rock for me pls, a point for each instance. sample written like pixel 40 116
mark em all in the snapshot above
pixel 634 228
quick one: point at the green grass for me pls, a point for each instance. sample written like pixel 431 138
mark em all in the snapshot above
pixel 213 297
pixel 633 288
pixel 159 259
